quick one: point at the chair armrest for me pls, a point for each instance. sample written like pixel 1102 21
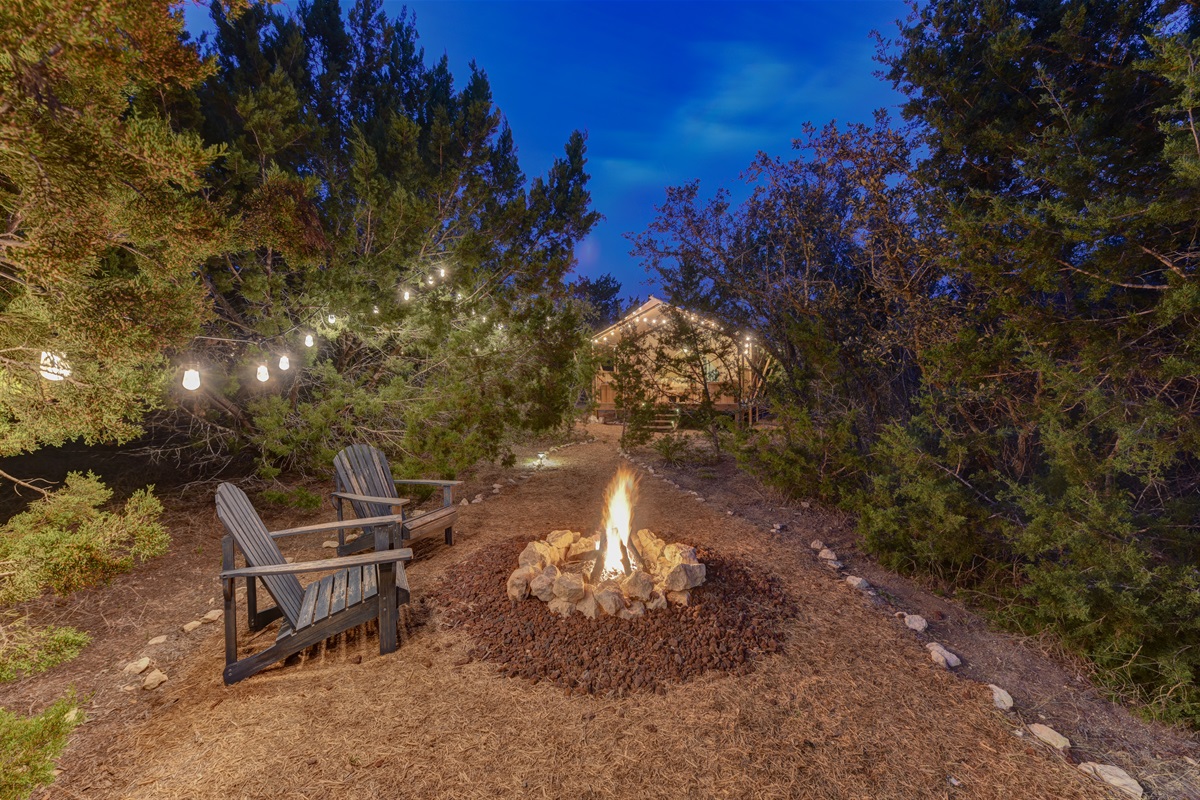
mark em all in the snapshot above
pixel 390 519
pixel 428 483
pixel 360 560
pixel 366 498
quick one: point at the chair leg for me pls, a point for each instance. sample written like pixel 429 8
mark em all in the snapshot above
pixel 450 535
pixel 387 609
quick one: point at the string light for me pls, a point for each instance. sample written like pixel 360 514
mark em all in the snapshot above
pixel 375 310
pixel 54 366
pixel 308 340
pixel 442 272
pixel 284 364
pixel 191 379
pixel 406 295
pixel 262 373
pixel 332 318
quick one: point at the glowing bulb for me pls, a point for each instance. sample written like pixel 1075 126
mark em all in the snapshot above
pixel 308 340
pixel 54 366
pixel 284 364
pixel 191 379
pixel 442 272
pixel 262 373
pixel 431 280
pixel 375 310
pixel 332 318
pixel 406 295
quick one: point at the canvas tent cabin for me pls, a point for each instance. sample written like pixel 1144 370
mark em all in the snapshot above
pixel 684 355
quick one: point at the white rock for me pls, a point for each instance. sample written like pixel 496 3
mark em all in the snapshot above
pixel 699 499
pixel 942 657
pixel 191 626
pixel 568 586
pixel 1113 776
pixel 1049 736
pixel 477 500
pixel 137 667
pixel 657 600
pixel 1002 699
pixel 827 554
pixel 154 680
pixel 639 585
pixel 916 622
pixel 817 544
pixel 805 504
pixel 562 607
pixel 496 485
pixel 330 544
pixel 636 609
pixel 729 513
pixel 518 582
pixel 858 583
pixel 833 564
pixel 465 502
pixel 562 539
pixel 496 490
pixel 779 526
pixel 677 553
pixel 157 640
pixel 680 598
pixel 588 605
pixel 543 585
pixel 685 576
pixel 213 616
pixel 610 601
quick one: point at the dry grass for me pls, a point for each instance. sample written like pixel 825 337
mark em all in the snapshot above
pixel 852 709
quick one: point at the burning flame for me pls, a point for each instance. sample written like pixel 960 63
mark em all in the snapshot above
pixel 617 523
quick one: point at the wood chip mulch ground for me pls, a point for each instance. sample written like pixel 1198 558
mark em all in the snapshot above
pixel 848 707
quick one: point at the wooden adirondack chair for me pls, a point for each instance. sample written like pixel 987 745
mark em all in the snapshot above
pixel 364 479
pixel 364 587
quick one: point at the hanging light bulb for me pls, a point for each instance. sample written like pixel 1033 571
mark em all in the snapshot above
pixel 332 318
pixel 308 340
pixel 54 366
pixel 375 310
pixel 431 280
pixel 191 379
pixel 442 272
pixel 407 295
pixel 262 373
pixel 284 364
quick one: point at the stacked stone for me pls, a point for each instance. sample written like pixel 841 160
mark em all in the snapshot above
pixel 556 571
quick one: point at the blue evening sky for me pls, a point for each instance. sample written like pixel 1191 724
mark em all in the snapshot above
pixel 667 92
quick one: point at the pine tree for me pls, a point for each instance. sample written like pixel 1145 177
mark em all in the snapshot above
pixel 382 212
pixel 103 223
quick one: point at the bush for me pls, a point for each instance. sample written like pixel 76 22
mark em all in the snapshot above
pixel 27 651
pixel 29 746
pixel 299 497
pixel 802 458
pixel 63 542
pixel 675 449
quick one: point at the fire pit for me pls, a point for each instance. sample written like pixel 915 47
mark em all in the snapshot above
pixel 617 572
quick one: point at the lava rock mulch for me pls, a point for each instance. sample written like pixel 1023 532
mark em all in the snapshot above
pixel 737 616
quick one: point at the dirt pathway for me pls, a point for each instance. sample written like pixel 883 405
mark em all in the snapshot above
pixel 852 709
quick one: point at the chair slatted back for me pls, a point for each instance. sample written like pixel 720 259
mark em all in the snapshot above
pixel 247 529
pixel 363 469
